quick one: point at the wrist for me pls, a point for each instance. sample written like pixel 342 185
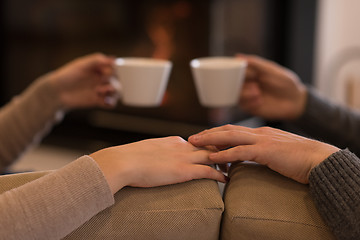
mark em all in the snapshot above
pixel 114 173
pixel 323 153
pixel 47 94
pixel 53 79
pixel 302 100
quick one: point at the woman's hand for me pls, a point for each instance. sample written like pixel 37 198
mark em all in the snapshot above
pixel 84 82
pixel 271 91
pixel 155 162
pixel 286 153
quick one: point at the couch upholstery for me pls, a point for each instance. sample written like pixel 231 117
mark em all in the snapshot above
pixel 183 211
pixel 262 204
pixel 259 204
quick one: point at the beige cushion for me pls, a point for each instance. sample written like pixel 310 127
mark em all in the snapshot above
pixel 262 204
pixel 190 210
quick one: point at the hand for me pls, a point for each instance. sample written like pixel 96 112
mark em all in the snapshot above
pixel 288 154
pixel 84 82
pixel 154 162
pixel 271 91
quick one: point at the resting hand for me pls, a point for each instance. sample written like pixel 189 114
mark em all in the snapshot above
pixel 84 82
pixel 155 162
pixel 271 91
pixel 288 154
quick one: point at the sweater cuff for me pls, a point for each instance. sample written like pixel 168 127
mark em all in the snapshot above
pixel 311 114
pixel 335 185
pixel 44 96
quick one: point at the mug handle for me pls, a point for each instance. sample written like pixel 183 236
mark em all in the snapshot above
pixel 115 83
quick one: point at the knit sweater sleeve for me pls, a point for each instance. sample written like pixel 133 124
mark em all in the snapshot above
pixel 26 118
pixel 335 187
pixel 331 123
pixel 54 205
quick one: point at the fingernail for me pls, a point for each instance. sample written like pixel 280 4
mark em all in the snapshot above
pixel 194 137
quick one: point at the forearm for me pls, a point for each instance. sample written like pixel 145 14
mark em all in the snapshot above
pixel 331 123
pixel 26 119
pixel 53 206
pixel 335 186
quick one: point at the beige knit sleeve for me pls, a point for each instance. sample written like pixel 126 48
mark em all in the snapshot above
pixel 26 119
pixel 54 205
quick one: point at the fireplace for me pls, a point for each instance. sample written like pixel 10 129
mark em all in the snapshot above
pixel 42 35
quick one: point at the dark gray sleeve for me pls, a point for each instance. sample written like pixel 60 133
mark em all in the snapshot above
pixel 331 123
pixel 335 187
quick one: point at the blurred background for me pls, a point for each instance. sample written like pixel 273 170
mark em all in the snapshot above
pixel 307 36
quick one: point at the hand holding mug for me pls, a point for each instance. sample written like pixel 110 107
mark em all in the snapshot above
pixel 271 91
pixel 84 82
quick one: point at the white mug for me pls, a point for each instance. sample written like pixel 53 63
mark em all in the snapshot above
pixel 218 80
pixel 143 81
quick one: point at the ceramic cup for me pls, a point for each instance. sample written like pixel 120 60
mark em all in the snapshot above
pixel 218 80
pixel 143 80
